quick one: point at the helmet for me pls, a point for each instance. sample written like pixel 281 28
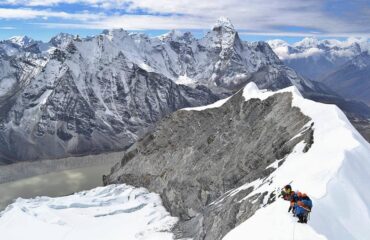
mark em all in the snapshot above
pixel 287 191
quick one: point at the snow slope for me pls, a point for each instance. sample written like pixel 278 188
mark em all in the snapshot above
pixel 334 172
pixel 111 212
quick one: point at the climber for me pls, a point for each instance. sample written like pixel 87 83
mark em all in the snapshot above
pixel 303 207
pixel 286 191
pixel 289 195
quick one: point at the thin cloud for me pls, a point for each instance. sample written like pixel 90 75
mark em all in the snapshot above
pixel 291 17
pixel 7 28
pixel 28 13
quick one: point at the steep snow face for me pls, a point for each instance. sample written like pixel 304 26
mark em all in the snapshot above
pixel 111 212
pixel 334 173
pixel 314 58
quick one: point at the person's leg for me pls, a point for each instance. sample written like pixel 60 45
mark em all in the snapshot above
pixel 305 217
pixel 299 213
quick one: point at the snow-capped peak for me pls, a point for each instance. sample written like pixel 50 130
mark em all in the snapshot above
pixel 307 42
pixel 21 41
pixel 223 23
pixel 61 40
pixel 117 33
pixel 331 49
pixel 277 43
pixel 171 35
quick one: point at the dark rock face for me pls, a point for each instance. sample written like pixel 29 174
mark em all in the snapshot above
pixel 194 159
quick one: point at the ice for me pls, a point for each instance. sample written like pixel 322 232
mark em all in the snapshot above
pixel 111 212
pixel 185 80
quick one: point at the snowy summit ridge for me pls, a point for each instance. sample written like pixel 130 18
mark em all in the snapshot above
pixel 332 170
pixel 312 159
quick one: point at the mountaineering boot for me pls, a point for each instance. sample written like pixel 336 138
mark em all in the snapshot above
pixel 305 219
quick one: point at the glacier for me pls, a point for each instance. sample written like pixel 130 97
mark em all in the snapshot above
pixel 113 212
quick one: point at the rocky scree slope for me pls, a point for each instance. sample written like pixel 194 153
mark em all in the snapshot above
pixel 194 159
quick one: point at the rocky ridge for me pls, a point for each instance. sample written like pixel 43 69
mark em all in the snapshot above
pixel 195 159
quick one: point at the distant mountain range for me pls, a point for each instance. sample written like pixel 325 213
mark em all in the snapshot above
pixel 74 96
pixel 343 66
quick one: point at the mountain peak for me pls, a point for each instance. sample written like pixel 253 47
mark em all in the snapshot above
pixel 115 32
pixel 307 42
pixel 61 40
pixel 21 41
pixel 224 23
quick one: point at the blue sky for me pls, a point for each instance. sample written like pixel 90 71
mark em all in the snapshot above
pixel 290 20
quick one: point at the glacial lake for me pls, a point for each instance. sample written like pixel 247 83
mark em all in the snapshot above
pixel 53 184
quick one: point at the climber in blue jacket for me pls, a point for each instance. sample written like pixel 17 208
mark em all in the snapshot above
pixel 302 207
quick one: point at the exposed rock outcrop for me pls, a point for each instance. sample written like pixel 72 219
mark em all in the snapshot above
pixel 194 159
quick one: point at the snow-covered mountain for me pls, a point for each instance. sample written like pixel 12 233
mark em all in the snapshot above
pixel 78 96
pixel 352 79
pixel 315 58
pixel 217 169
pixel 75 95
